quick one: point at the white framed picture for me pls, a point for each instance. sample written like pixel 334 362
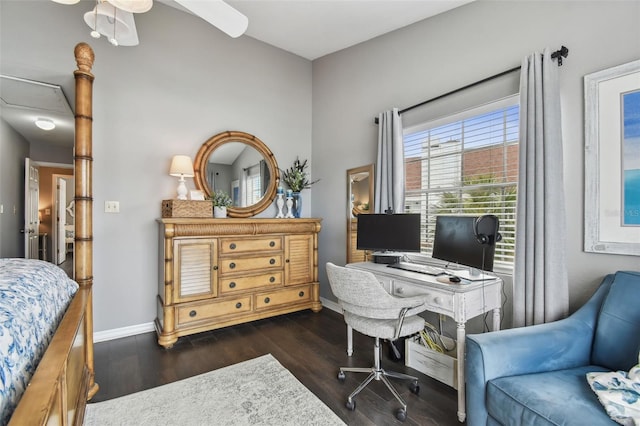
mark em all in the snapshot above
pixel 612 160
pixel 196 194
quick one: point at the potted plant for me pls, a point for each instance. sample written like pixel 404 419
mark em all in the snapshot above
pixel 297 179
pixel 221 201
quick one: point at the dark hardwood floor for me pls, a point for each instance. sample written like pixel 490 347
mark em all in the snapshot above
pixel 311 346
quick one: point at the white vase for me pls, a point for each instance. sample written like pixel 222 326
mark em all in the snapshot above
pixel 219 212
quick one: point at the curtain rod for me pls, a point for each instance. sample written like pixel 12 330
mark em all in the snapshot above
pixel 563 52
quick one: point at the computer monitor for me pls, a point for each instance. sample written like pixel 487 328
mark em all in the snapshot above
pixel 455 241
pixel 389 232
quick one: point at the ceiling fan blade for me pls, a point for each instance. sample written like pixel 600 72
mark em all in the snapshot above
pixel 218 14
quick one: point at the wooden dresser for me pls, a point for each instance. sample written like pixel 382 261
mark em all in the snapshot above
pixel 219 272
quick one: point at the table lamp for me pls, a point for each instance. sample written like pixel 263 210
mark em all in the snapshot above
pixel 182 167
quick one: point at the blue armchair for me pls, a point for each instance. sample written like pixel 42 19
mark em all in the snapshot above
pixel 537 375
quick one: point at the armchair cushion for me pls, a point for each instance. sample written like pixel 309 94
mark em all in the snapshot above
pixel 548 398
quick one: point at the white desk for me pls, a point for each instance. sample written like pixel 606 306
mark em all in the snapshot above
pixel 458 301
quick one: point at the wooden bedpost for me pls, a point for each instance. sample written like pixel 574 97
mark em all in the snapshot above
pixel 83 164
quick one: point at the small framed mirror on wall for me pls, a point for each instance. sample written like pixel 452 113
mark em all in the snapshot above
pixel 360 181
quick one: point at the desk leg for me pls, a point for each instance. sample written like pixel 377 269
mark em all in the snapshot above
pixel 460 335
pixel 496 319
pixel 349 340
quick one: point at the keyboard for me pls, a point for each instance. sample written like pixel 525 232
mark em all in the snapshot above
pixel 417 267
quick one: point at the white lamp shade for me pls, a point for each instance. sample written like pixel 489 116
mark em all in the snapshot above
pixel 181 165
pixel 219 14
pixel 101 19
pixel 133 6
pixel 67 1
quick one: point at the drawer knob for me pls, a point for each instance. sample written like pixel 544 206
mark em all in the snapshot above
pixel 272 243
pixel 272 279
pixel 267 300
pixel 400 290
pixel 287 260
pixel 272 261
pixel 215 267
pixel 232 246
pixel 193 314
pixel 437 300
pixel 232 265
pixel 301 294
pixel 232 284
pixel 238 305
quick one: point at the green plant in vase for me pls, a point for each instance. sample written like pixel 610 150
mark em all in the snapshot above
pixel 297 178
pixel 220 201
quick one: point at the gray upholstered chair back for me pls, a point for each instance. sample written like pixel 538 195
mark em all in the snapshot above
pixel 360 293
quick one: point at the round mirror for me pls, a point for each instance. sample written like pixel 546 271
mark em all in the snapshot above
pixel 240 165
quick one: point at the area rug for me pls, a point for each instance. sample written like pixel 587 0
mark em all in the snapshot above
pixel 255 392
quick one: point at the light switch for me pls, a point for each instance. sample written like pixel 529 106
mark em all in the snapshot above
pixel 112 207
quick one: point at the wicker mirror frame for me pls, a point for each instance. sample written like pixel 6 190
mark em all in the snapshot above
pixel 202 158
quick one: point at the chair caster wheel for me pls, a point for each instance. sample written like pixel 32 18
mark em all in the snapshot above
pixel 341 376
pixel 401 414
pixel 414 388
pixel 351 405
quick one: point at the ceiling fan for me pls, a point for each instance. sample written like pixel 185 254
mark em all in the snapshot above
pixel 114 18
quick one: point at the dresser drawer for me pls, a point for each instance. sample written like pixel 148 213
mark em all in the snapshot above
pixel 283 297
pixel 193 312
pixel 247 264
pixel 229 285
pixel 244 245
pixel 440 301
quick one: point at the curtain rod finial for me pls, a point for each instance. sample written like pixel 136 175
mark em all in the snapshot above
pixel 559 54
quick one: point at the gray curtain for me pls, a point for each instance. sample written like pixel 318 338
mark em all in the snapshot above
pixel 389 190
pixel 540 292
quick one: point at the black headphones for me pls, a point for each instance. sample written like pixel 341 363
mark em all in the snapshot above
pixel 493 224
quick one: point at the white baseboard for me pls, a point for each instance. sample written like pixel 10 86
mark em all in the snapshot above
pixel 117 333
pixel 330 304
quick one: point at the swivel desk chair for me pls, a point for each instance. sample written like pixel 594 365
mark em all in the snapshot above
pixel 369 309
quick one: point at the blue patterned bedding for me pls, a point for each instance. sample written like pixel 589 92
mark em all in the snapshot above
pixel 34 296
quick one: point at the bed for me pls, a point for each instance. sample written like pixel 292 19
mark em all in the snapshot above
pixel 56 376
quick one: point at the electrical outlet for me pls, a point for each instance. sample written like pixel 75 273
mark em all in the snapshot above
pixel 112 207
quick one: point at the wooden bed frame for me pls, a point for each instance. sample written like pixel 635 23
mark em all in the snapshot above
pixel 64 380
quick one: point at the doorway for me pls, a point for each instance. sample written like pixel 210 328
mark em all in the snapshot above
pixel 63 220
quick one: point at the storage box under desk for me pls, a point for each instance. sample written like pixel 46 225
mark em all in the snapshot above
pixel 440 366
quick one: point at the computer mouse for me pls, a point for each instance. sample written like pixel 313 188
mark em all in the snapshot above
pixel 454 279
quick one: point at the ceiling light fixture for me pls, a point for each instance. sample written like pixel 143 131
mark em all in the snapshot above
pixel 45 124
pixel 117 25
pixel 95 33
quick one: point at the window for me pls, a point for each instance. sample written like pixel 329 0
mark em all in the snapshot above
pixel 466 164
pixel 254 188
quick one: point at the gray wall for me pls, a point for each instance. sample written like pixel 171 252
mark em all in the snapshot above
pixel 185 82
pixel 13 150
pixel 449 51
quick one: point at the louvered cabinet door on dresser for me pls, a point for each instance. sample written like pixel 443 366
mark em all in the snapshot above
pixel 220 272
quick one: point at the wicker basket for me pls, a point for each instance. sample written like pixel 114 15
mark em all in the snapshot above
pixel 187 208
